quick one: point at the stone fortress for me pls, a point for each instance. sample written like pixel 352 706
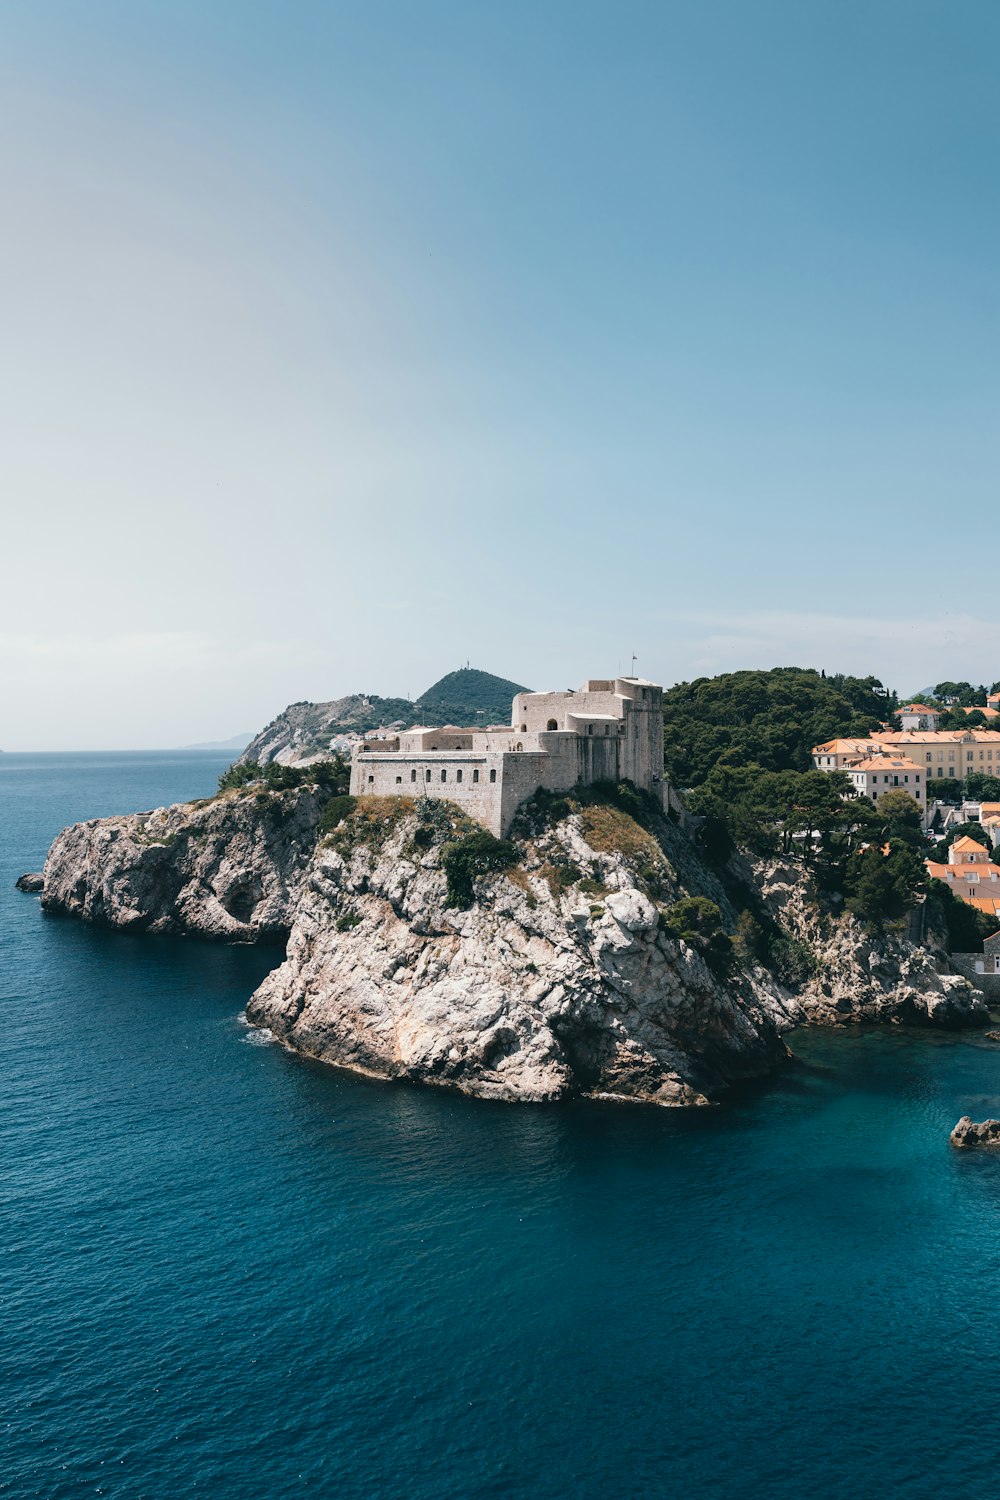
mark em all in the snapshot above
pixel 608 730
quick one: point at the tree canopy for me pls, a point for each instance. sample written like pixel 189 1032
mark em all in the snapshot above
pixel 768 719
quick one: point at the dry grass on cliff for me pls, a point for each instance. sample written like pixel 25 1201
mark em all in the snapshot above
pixel 371 822
pixel 611 831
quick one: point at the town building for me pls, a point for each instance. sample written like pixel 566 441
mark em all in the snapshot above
pixel 946 752
pixel 611 729
pixel 919 716
pixel 835 755
pixel 878 774
pixel 970 875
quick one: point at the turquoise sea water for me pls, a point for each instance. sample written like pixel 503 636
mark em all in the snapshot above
pixel 229 1273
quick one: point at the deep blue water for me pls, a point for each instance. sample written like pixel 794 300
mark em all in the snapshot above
pixel 229 1273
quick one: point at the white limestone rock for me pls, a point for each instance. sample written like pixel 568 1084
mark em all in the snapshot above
pixel 227 869
pixel 525 996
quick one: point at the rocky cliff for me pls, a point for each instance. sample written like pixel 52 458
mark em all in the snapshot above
pixel 537 991
pixel 228 868
pixel 566 972
pixel 857 976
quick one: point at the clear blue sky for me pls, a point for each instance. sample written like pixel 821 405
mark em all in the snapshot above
pixel 344 343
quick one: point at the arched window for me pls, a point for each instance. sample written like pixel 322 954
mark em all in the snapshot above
pixel 519 746
pixel 444 775
pixel 475 775
pixel 428 775
pixel 413 775
pixel 458 775
pixel 493 775
pixel 552 724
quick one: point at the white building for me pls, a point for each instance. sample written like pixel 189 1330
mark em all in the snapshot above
pixel 878 774
pixel 611 729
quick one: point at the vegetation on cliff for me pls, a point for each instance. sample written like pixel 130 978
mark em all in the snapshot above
pixel 766 719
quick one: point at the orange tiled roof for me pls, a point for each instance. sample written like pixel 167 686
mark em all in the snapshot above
pixel 884 763
pixel 988 904
pixel 918 708
pixel 972 846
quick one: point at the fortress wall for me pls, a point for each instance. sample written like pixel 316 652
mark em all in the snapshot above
pixel 407 776
pixel 523 774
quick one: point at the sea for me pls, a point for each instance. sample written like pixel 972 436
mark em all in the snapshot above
pixel 227 1272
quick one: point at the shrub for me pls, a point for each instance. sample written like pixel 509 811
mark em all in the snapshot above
pixel 333 775
pixel 334 813
pixel 698 922
pixel 478 853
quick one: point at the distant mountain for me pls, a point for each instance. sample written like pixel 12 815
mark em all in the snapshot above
pixel 238 742
pixel 304 730
pixel 468 697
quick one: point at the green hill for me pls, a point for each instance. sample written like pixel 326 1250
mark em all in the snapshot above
pixel 468 697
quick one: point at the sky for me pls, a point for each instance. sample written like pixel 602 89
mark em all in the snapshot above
pixel 346 343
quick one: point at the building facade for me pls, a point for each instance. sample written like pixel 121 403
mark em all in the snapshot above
pixel 919 716
pixel 878 774
pixel 970 875
pixel 611 729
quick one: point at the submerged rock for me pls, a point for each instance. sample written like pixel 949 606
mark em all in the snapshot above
pixel 33 882
pixel 970 1133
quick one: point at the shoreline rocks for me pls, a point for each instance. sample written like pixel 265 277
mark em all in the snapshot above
pixel 33 882
pixel 970 1133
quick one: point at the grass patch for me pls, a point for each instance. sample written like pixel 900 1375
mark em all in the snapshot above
pixel 371 821
pixel 609 830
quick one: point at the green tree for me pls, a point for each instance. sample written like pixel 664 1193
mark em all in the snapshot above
pixel 881 886
pixel 697 921
pixel 768 719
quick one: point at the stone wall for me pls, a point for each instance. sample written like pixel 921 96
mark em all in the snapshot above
pixel 965 963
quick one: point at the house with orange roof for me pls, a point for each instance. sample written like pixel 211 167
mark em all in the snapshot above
pixel 946 752
pixel 878 774
pixel 834 755
pixel 919 716
pixel 970 874
pixel 988 712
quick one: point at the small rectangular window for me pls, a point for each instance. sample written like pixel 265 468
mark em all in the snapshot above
pixel 399 781
pixel 413 775
pixel 428 775
pixel 493 775
pixel 475 775
pixel 371 781
pixel 458 775
pixel 444 775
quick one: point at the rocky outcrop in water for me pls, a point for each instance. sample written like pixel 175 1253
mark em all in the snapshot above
pixel 228 868
pixel 533 993
pixel 33 882
pixel 969 1133
pixel 565 975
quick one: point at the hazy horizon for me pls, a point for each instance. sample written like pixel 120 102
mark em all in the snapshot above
pixel 347 343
